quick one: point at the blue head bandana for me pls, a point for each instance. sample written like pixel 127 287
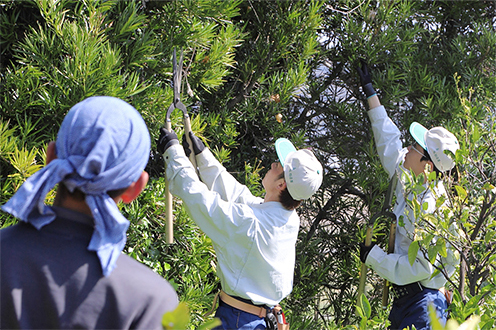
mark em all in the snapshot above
pixel 103 144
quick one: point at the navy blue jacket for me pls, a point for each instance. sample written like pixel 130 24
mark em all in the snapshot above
pixel 50 280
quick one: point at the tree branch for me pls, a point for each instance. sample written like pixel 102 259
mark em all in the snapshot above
pixel 344 189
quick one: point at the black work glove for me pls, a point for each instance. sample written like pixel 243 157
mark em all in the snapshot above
pixel 197 143
pixel 364 251
pixel 366 79
pixel 166 140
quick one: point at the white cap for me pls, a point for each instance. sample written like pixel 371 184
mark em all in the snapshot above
pixel 302 171
pixel 436 141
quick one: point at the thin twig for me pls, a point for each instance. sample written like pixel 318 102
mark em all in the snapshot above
pixel 344 12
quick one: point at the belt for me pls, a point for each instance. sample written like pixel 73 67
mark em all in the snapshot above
pixel 401 291
pixel 260 311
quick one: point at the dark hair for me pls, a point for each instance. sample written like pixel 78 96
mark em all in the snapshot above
pixel 285 198
pixel 427 157
pixel 287 201
pixel 80 196
pixel 453 173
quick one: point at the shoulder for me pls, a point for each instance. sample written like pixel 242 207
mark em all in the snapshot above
pixel 141 280
pixel 142 294
pixel 12 240
pixel 274 214
pixel 128 269
pixel 14 233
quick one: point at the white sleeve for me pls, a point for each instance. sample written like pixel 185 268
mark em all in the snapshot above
pixel 387 139
pixel 396 268
pixel 218 179
pixel 216 217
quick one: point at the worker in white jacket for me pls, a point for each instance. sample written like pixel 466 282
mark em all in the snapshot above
pixel 254 238
pixel 413 285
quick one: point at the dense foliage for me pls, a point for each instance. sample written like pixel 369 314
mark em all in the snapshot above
pixel 245 62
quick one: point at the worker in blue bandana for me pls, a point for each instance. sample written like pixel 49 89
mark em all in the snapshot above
pixel 254 238
pixel 415 286
pixel 61 265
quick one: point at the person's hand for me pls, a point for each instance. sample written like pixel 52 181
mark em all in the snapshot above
pixel 365 250
pixel 197 143
pixel 166 140
pixel 366 79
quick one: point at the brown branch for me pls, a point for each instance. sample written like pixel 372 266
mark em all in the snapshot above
pixel 463 275
pixel 485 210
pixel 346 188
pixel 243 92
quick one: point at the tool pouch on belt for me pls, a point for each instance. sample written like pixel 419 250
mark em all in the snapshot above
pixel 276 319
pixel 270 320
pixel 448 294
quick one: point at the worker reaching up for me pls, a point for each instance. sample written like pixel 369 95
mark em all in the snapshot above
pixel 254 238
pixel 414 286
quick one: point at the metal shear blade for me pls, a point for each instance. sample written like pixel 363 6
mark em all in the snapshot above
pixel 176 81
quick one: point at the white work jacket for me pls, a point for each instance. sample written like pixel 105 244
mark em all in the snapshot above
pixel 396 267
pixel 254 241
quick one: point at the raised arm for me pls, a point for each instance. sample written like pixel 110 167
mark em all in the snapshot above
pixel 214 215
pixel 216 177
pixel 386 133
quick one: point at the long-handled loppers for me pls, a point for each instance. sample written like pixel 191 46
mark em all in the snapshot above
pixel 392 237
pixel 384 212
pixel 176 104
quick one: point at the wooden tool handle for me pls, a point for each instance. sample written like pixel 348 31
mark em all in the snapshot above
pixel 363 271
pixel 385 290
pixel 169 218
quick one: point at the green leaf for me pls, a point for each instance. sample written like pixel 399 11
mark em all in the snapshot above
pixel 435 273
pixel 210 324
pixel 488 237
pixel 462 193
pixel 413 251
pixel 435 324
pixel 427 239
pixel 431 218
pixel 487 324
pixel 459 156
pixel 178 319
pixel 471 306
pixel 488 186
pixel 365 306
pixel 363 324
pixel 440 201
pixel 441 244
pixel 432 253
pixel 360 312
pixel 475 134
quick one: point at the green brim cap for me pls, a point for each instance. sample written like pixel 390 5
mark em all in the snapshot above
pixel 418 132
pixel 283 148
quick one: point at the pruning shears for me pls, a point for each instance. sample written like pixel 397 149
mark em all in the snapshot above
pixel 384 212
pixel 176 104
